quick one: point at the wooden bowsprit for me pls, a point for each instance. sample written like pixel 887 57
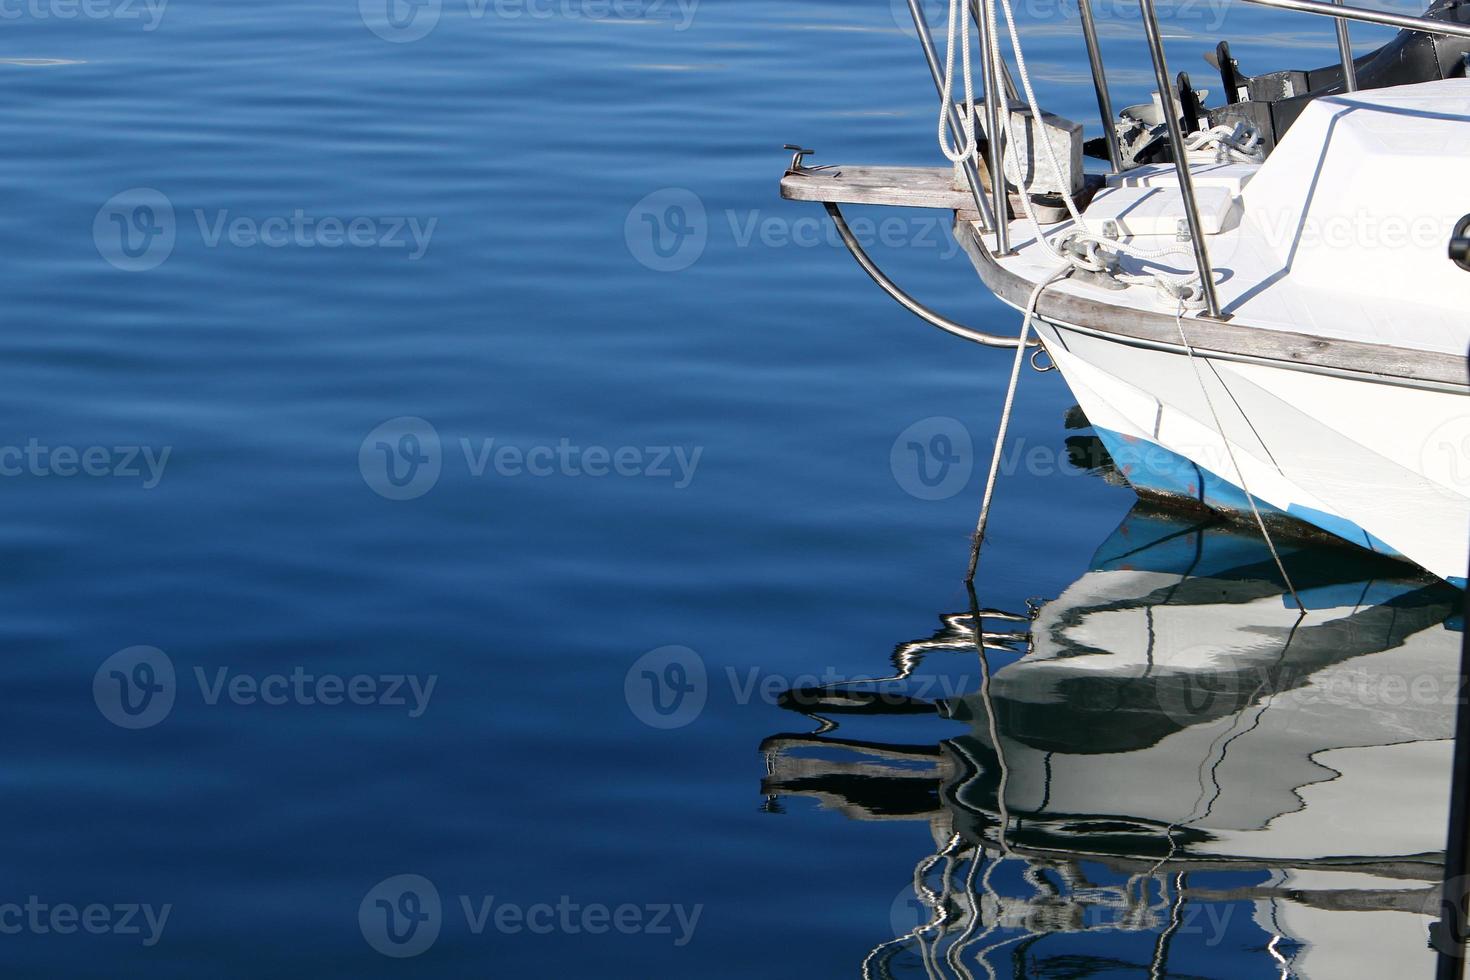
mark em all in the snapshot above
pixel 899 187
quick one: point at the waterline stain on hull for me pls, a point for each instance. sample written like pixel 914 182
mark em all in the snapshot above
pixel 1159 473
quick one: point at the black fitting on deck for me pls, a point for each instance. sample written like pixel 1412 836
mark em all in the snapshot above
pixel 1460 244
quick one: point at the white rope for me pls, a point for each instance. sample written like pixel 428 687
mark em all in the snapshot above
pixel 1005 421
pixel 1240 474
pixel 1240 143
pixel 967 118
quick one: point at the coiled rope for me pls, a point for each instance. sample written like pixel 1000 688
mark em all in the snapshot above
pixel 1240 143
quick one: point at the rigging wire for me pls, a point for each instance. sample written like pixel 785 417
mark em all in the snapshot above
pixel 1240 473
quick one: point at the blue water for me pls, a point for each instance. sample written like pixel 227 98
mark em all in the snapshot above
pixel 283 623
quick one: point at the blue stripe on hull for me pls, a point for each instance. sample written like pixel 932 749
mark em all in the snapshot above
pixel 1151 468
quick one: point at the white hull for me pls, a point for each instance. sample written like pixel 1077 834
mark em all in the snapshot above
pixel 1335 388
pixel 1383 466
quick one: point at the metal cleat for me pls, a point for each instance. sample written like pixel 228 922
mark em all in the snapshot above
pixel 798 165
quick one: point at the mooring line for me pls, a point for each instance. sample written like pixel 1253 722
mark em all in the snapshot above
pixel 1005 420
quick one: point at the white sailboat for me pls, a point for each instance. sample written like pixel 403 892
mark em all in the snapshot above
pixel 1262 306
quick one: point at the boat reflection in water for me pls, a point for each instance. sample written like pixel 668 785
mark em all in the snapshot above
pixel 1168 770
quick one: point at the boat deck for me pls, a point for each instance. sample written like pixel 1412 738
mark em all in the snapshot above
pixel 1336 259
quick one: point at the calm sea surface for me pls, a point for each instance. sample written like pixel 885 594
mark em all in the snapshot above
pixel 447 497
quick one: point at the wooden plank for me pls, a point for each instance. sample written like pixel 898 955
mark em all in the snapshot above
pixel 904 187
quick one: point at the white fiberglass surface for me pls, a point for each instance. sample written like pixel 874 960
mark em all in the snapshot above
pixel 1341 233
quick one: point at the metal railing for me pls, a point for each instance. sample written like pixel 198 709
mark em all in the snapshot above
pixel 1181 161
pixel 1340 12
pixel 997 81
pixel 1100 84
pixel 1345 52
pixel 995 77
